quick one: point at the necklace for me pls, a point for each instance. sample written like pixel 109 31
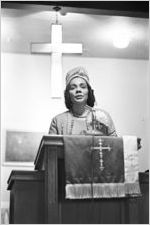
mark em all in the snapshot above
pixel 80 120
pixel 84 114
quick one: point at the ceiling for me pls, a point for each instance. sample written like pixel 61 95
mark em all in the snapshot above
pixel 94 24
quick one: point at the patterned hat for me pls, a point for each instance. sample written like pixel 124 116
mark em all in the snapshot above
pixel 77 72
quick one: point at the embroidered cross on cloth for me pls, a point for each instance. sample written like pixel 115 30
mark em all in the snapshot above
pixel 101 167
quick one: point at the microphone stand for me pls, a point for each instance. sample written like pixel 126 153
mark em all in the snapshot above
pixel 93 120
pixel 93 134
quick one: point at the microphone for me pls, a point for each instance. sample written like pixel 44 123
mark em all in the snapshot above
pixel 98 127
pixel 93 120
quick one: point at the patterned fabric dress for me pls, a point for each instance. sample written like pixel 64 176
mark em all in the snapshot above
pixel 98 121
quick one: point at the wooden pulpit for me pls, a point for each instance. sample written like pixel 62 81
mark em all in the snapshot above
pixel 39 196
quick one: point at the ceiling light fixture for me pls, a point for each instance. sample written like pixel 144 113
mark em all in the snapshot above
pixel 57 10
pixel 121 37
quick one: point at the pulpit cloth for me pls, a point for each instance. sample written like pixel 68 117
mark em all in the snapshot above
pixel 101 167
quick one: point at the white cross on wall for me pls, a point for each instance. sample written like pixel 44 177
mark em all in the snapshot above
pixel 56 48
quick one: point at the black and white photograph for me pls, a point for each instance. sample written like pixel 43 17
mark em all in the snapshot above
pixel 75 112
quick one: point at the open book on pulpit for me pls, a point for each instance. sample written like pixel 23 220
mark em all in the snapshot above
pixel 101 166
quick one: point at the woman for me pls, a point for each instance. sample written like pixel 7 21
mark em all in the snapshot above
pixel 81 118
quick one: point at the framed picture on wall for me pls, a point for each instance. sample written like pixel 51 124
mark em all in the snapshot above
pixel 22 146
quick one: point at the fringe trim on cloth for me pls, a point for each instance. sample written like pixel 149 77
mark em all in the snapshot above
pixel 105 190
pixel 108 190
pixel 133 189
pixel 78 191
pixel 116 190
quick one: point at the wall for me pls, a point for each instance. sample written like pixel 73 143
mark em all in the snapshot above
pixel 120 86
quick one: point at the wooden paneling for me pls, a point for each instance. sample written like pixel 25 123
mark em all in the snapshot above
pixel 26 197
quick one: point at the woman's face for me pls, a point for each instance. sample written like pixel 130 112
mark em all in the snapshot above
pixel 78 91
